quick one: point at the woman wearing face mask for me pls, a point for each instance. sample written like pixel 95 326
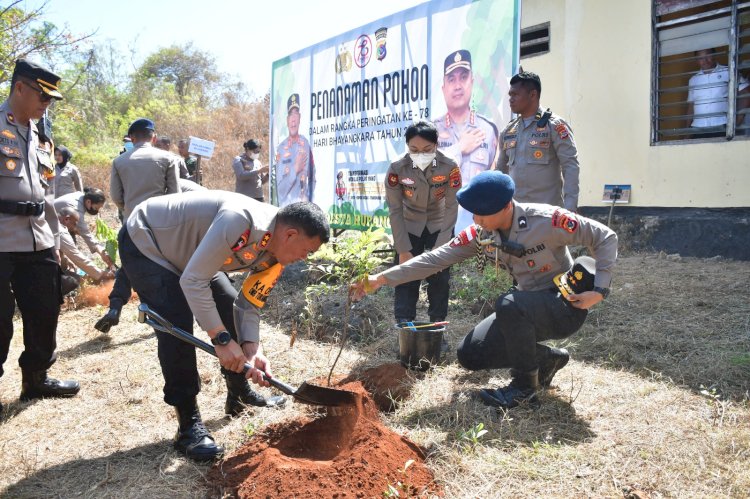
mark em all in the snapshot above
pixel 67 175
pixel 251 174
pixel 421 193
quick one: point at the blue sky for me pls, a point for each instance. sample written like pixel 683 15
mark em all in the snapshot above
pixel 244 36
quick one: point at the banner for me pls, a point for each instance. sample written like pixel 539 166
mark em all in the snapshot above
pixel 339 109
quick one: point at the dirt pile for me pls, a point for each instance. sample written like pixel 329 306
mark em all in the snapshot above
pixel 346 453
pixel 97 294
pixel 388 384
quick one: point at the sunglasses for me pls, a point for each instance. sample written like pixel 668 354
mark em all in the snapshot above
pixel 44 97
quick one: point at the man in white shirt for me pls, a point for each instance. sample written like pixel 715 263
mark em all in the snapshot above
pixel 708 96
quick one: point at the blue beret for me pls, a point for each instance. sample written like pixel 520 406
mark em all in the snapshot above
pixel 141 124
pixel 486 193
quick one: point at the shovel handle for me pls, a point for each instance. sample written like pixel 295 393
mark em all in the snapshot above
pixel 148 316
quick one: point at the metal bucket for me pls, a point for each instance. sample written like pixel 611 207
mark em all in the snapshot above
pixel 419 347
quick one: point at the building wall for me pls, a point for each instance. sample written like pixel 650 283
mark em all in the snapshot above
pixel 597 76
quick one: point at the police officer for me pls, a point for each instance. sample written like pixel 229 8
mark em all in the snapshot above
pixel 73 258
pixel 468 138
pixel 88 202
pixel 421 192
pixel 141 173
pixel 191 163
pixel 165 144
pixel 175 250
pixel 295 168
pixel 250 172
pixel 29 238
pixel 67 175
pixel 537 148
pixel 529 241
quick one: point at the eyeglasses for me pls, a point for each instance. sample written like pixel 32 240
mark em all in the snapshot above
pixel 44 97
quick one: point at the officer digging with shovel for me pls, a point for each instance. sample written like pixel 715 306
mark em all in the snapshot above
pixel 531 242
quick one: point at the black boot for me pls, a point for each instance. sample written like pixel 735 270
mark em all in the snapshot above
pixel 522 389
pixel 192 437
pixel 111 318
pixel 240 395
pixel 36 384
pixel 550 361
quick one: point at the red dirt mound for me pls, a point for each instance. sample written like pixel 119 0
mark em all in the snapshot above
pixel 388 384
pixel 345 454
pixel 98 294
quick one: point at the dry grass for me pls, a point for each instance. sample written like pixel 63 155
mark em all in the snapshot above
pixel 627 417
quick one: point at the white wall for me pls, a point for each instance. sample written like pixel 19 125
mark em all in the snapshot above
pixel 597 76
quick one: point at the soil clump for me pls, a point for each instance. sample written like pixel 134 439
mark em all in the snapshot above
pixel 345 453
pixel 388 384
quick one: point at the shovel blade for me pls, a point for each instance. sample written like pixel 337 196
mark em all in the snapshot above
pixel 319 395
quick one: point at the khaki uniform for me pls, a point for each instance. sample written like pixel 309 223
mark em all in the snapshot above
pixel 142 173
pixel 67 180
pixel 479 160
pixel 74 200
pixel 198 234
pixel 543 161
pixel 290 186
pixel 544 231
pixel 26 171
pixel 69 250
pixel 249 180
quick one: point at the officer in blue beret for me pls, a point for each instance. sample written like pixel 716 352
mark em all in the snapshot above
pixel 30 232
pixel 294 171
pixel 553 294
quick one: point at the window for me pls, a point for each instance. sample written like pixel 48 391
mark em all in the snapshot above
pixel 535 40
pixel 701 68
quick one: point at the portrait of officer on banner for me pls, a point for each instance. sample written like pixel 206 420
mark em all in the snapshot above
pixel 464 135
pixel 295 167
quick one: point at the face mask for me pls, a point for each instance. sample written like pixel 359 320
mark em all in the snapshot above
pixel 422 160
pixel 254 155
pixel 128 146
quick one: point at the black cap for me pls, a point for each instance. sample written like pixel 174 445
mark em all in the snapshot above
pixel 292 102
pixel 140 125
pixel 457 59
pixel 47 80
pixel 579 278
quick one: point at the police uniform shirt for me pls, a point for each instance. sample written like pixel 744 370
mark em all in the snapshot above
pixel 290 186
pixel 479 160
pixel 543 161
pixel 197 234
pixel 141 173
pixel 418 199
pixel 69 250
pixel 25 173
pixel 67 180
pixel 75 200
pixel 249 180
pixel 543 230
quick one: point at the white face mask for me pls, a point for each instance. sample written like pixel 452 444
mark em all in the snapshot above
pixel 422 159
pixel 254 155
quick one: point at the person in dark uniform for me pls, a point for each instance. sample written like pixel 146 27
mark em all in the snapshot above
pixel 29 233
pixel 531 242
pixel 295 168
pixel 250 172
pixel 421 192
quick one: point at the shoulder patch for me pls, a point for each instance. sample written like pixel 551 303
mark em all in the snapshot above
pixel 565 220
pixel 465 236
pixel 455 178
pixel 265 240
pixel 393 179
pixel 242 241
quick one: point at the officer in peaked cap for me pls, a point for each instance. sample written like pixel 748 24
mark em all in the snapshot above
pixel 29 232
pixel 465 136
pixel 295 168
pixel 530 241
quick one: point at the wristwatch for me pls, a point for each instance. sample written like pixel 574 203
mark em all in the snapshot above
pixel 602 291
pixel 222 338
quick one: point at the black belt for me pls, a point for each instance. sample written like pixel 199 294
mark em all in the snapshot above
pixel 23 208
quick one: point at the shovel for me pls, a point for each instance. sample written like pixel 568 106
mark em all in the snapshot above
pixel 309 394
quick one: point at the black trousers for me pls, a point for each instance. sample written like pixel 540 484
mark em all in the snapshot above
pixel 121 289
pixel 160 289
pixel 438 285
pixel 32 280
pixel 510 336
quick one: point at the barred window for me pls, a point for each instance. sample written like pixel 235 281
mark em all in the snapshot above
pixel 701 68
pixel 535 40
